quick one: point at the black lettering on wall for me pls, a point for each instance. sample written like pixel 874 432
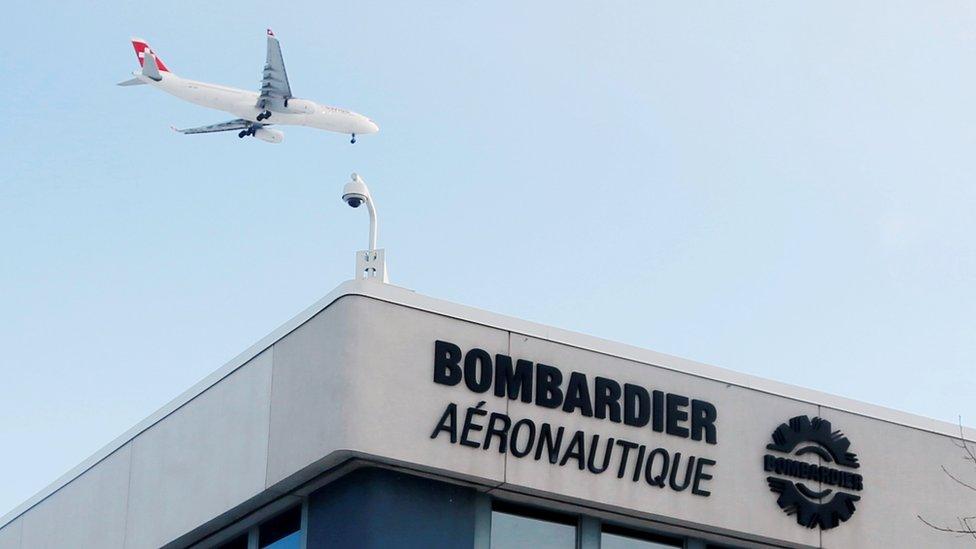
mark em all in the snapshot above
pixel 639 462
pixel 513 383
pixel 477 379
pixel 529 425
pixel 703 415
pixel 677 414
pixel 575 451
pixel 701 476
pixel 447 357
pixel 448 422
pixel 637 405
pixel 625 452
pixel 661 478
pixel 546 386
pixel 470 425
pixel 590 461
pixel 500 430
pixel 578 395
pixel 548 443
pixel 547 381
pixel 657 414
pixel 660 469
pixel 689 470
pixel 606 399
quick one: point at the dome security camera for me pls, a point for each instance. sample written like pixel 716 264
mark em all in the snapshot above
pixel 371 262
pixel 355 192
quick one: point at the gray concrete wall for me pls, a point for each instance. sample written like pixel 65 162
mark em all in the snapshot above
pixel 205 458
pixel 356 380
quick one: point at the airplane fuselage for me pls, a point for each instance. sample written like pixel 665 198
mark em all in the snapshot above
pixel 243 104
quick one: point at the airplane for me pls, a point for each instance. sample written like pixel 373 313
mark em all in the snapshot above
pixel 252 109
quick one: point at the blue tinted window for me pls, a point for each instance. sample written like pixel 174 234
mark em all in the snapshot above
pixel 511 531
pixel 291 541
pixel 617 541
pixel 619 538
pixel 281 532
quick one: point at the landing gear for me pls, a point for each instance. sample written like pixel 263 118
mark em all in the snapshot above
pixel 264 116
pixel 242 134
pixel 353 140
pixel 246 132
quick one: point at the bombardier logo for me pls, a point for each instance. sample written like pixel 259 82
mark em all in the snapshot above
pixel 822 492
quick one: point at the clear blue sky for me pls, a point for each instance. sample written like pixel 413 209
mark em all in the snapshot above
pixel 784 189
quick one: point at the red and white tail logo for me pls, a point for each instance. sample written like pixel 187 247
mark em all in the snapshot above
pixel 141 47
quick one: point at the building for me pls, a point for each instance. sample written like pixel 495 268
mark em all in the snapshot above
pixel 383 418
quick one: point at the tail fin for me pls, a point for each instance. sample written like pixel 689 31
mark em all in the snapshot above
pixel 141 47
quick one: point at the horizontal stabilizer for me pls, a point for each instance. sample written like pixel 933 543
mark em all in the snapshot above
pixel 131 82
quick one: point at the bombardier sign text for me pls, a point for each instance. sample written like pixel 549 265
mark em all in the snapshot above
pixel 546 386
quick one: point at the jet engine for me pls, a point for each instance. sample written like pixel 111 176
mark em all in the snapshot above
pixel 269 135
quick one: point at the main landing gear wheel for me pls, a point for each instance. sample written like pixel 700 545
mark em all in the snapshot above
pixel 264 116
pixel 242 134
pixel 353 140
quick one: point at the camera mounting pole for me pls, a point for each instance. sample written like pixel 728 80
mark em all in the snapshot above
pixel 372 224
pixel 370 263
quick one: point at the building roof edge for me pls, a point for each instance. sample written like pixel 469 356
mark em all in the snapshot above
pixel 408 298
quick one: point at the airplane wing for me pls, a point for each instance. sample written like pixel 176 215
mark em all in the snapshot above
pixel 275 90
pixel 239 124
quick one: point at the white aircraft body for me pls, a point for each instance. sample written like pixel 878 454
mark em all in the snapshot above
pixel 254 110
